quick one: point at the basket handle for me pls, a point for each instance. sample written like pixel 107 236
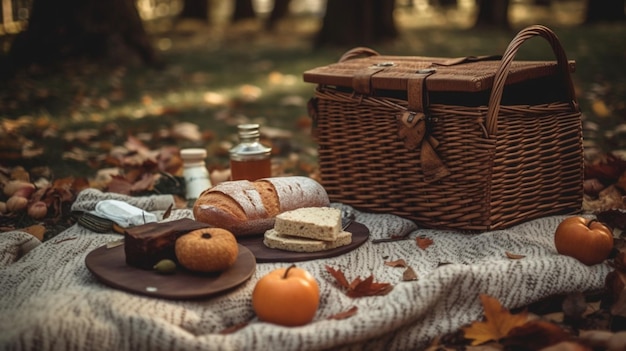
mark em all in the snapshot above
pixel 503 71
pixel 358 51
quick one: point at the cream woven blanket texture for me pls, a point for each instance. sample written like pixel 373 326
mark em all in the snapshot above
pixel 50 301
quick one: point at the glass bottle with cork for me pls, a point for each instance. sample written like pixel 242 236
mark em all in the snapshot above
pixel 250 160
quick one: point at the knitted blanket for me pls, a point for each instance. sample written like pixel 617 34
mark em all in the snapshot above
pixel 51 301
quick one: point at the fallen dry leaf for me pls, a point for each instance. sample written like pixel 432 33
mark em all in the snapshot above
pixel 607 169
pixel 345 314
pixel 168 212
pixel 498 322
pixel 534 335
pixel 396 263
pixel 119 185
pixel 409 274
pixel 423 243
pixel 615 284
pixel 513 256
pixel 614 218
pixel 359 287
pixel 574 306
pixel 36 230
pixel 619 261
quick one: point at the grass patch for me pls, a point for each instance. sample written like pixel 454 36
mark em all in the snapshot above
pixel 216 78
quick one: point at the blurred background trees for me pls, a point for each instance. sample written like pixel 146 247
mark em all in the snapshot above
pixel 43 31
pixel 88 67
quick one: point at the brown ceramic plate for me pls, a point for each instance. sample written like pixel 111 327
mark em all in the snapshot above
pixel 360 234
pixel 109 266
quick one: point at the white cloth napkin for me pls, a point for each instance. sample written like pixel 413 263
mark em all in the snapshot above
pixel 123 213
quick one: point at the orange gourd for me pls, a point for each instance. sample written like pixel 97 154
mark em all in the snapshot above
pixel 286 296
pixel 589 241
pixel 207 250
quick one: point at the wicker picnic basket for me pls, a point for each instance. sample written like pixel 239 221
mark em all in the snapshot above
pixel 472 143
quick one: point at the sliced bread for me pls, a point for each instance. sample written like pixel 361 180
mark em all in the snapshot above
pixel 320 223
pixel 274 240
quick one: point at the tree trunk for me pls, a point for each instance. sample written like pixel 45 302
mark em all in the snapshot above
pixel 493 14
pixel 243 10
pixel 64 29
pixel 604 10
pixel 279 11
pixel 195 9
pixel 357 22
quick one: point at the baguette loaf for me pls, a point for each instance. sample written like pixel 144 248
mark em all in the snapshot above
pixel 247 208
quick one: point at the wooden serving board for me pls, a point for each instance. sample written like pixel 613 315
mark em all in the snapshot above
pixel 109 266
pixel 360 234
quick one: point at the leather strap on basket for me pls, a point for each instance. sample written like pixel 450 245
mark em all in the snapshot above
pixel 413 130
pixel 362 80
pixel 503 71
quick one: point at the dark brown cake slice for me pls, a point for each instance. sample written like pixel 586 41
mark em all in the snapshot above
pixel 147 244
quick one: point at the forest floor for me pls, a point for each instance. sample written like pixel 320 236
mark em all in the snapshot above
pixel 86 123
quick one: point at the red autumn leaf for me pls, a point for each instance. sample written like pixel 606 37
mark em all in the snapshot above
pixel 359 287
pixel 345 314
pixel 423 243
pixel 339 277
pixel 119 185
pixel 144 183
pixel 169 160
pixel 134 144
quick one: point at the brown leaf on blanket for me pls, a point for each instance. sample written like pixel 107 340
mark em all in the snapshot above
pixel 423 243
pixel 360 287
pixel 409 274
pixel 168 212
pixel 396 263
pixel 339 277
pixel 345 314
pixel 498 322
pixel 513 256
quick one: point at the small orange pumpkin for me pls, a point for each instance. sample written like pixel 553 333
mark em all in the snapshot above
pixel 286 296
pixel 207 250
pixel 589 241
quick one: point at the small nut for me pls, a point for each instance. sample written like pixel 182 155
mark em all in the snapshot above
pixel 16 203
pixel 19 187
pixel 38 210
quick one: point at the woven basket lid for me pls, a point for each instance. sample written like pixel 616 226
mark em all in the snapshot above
pixel 464 74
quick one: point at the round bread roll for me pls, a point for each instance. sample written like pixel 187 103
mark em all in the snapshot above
pixel 207 250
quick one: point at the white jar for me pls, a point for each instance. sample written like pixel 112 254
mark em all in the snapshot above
pixel 195 172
